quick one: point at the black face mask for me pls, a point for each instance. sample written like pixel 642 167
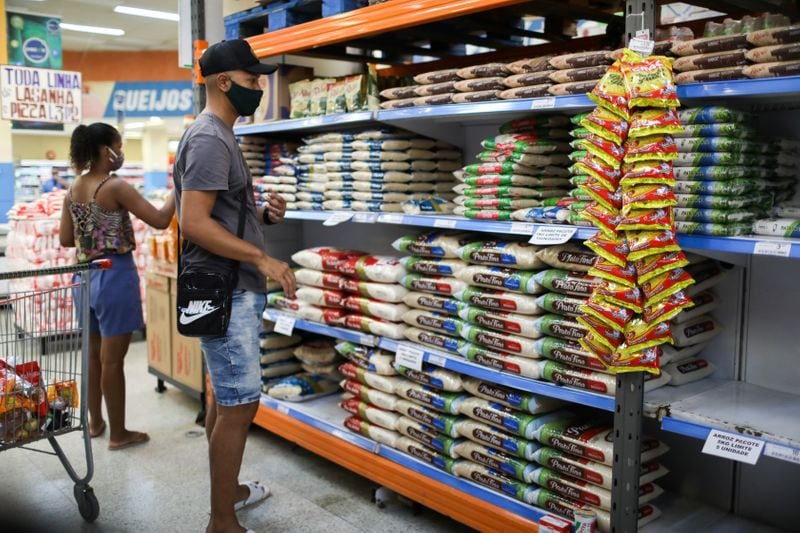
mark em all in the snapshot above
pixel 245 101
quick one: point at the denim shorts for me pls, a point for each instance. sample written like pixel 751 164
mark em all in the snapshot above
pixel 233 359
pixel 116 299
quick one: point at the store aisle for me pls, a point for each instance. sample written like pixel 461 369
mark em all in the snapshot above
pixel 163 487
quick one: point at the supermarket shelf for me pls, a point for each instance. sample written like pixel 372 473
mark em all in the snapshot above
pixel 456 364
pixel 317 426
pixel 753 245
pixel 321 123
pixel 696 409
pixel 679 514
pixel 768 90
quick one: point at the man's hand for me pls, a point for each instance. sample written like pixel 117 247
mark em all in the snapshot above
pixel 280 272
pixel 276 207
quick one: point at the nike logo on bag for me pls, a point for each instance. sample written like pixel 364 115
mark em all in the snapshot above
pixel 196 310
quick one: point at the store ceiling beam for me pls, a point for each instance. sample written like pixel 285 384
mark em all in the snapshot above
pixel 365 22
pixel 568 9
pixel 396 46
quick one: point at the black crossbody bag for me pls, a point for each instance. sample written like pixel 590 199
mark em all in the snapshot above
pixel 204 295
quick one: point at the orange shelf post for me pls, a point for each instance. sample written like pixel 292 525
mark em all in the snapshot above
pixel 462 507
pixel 366 22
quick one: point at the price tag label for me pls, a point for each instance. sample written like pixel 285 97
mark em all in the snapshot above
pixel 780 249
pixel 284 325
pixel 552 234
pixel 732 446
pixel 283 409
pixel 437 360
pixel 337 218
pixel 784 453
pixel 409 357
pixel 643 47
pixel 548 102
pixel 366 340
pixel 391 218
pixel 521 228
pixel 365 218
pixel 444 223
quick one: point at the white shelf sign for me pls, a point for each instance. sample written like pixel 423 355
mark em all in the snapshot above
pixel 284 325
pixel 784 453
pixel 365 218
pixel 521 228
pixel 732 446
pixel 444 223
pixel 552 234
pixel 548 102
pixel 643 47
pixel 437 360
pixel 391 218
pixel 781 249
pixel 409 357
pixel 337 218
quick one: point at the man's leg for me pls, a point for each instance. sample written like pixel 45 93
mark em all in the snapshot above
pixel 226 449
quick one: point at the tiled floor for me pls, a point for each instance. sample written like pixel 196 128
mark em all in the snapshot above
pixel 163 485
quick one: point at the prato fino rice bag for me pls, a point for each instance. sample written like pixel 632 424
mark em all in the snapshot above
pixel 442 423
pixel 432 376
pixel 372 431
pixel 445 402
pixel 523 401
pixel 371 359
pixel 505 418
pixel 506 254
pixel 432 244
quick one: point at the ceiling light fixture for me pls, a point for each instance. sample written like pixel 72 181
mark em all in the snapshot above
pixel 150 13
pixel 92 29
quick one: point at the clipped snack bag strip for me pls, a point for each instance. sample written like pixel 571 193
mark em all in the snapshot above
pixel 667 309
pixel 653 121
pixel 655 265
pixel 662 287
pixel 587 163
pixel 629 297
pixel 614 250
pixel 611 153
pixel 647 220
pixel 605 221
pixel 651 148
pixel 647 197
pixel 612 315
pixel 610 92
pixel 607 125
pixel 647 173
pixel 609 200
pixel 650 82
pixel 598 346
pixel 646 243
pixel 623 275
pixel 639 335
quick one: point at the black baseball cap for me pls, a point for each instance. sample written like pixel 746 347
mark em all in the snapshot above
pixel 234 54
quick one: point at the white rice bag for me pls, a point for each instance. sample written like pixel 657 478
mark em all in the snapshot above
pixel 432 244
pixel 653 382
pixel 433 284
pixel 301 387
pixel 374 326
pixel 273 356
pixel 432 376
pixel 317 352
pixel 274 341
pixel 323 315
pixel 374 308
pixel 385 292
pixel 314 278
pixel 369 395
pixel 523 401
pixel 436 266
pixel 446 402
pixel 433 321
pixel 688 371
pixel 435 340
pixel 501 279
pixel 706 275
pixel 426 454
pixel 510 323
pixel 427 435
pixel 671 354
pixel 569 256
pixel 371 359
pixel 431 302
pixel 700 330
pixel 370 413
pixel 374 432
pixel 500 300
pixel 320 297
pixel 508 254
pixel 324 258
pixel 500 341
pixel 444 424
pixel 704 303
pixel 500 361
pixel 383 269
pixel 497 439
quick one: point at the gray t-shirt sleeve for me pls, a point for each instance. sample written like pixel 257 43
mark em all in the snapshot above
pixel 207 163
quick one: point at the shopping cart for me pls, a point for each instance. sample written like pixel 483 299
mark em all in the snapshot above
pixel 43 360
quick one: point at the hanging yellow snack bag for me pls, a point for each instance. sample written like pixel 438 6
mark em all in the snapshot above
pixel 614 250
pixel 651 148
pixel 646 243
pixel 614 316
pixel 610 200
pixel 606 221
pixel 667 309
pixel 654 121
pixel 630 297
pixel 662 287
pixel 639 335
pixel 647 220
pixel 610 153
pixel 655 265
pixel 607 125
pixel 624 275
pixel 647 173
pixel 647 197
pixel 650 84
pixel 610 92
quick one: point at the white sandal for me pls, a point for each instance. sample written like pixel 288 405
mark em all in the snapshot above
pixel 258 493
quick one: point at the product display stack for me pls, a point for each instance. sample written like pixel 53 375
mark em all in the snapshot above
pixel 347 288
pixel 520 174
pixel 273 167
pixel 379 171
pixel 727 176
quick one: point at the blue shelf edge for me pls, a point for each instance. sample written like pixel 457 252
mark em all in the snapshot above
pixel 322 329
pixel 309 123
pixel 468 487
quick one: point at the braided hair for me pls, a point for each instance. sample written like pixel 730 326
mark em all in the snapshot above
pixel 86 141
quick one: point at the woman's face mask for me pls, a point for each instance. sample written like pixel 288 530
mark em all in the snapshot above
pixel 116 160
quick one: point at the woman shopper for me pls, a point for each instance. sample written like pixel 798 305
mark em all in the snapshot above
pixel 95 220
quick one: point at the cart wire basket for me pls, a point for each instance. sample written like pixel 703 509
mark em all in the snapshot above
pixel 44 358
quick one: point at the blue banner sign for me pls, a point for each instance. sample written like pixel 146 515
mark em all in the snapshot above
pixel 150 99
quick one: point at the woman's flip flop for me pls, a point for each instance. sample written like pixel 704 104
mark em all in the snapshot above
pixel 258 493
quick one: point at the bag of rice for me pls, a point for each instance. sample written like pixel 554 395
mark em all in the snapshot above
pixel 446 402
pixel 522 304
pixel 432 244
pixel 275 341
pixel 535 64
pixel 561 304
pixel 437 76
pixel 433 265
pixel 706 275
pixel 510 323
pixel 375 308
pixel 374 326
pixel 434 284
pixel 523 401
pixel 699 330
pixel 578 378
pixel 581 59
pixel 570 256
pixel 688 371
pixel 385 292
pixel 560 327
pixel 426 435
pixel 433 321
pixel 369 395
pixel 385 384
pixel 500 341
pixel 301 387
pixel 320 297
pixel 500 361
pixel 508 419
pixel 421 300
pixel 369 413
pixel 435 340
pixel 569 353
pixel 324 258
pixel 323 315
pixel 371 359
pixel 591 440
pixel 704 303
pixel 280 369
pixel 372 431
pixel 499 440
pixel 517 255
pixel 495 480
pixel 495 460
pixel 564 282
pixel 426 454
pixel 274 356
pixel 671 354
pixel 317 352
pixel 442 423
pixel 438 378
pixel 501 278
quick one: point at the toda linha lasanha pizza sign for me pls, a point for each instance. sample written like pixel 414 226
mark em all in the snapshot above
pixel 40 95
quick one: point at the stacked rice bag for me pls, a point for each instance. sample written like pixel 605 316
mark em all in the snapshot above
pixel 273 167
pixel 277 355
pixel 578 73
pixel 522 169
pixel 640 262
pixel 313 362
pixel 785 222
pixel 726 176
pixel 347 288
pixel 375 171
pixel 579 197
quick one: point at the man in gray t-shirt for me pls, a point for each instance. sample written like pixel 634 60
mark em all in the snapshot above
pixel 213 186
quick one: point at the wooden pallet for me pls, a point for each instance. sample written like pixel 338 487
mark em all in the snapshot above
pixel 272 16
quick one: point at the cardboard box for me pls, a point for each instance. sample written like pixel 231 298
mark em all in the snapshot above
pixel 275 104
pixel 159 345
pixel 187 357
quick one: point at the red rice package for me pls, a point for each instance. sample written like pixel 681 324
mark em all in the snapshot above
pixel 662 287
pixel 646 243
pixel 607 125
pixel 651 148
pixel 609 152
pixel 655 265
pixel 614 250
pixel 610 93
pixel 606 221
pixel 647 219
pixel 610 200
pixel 647 197
pixel 654 121
pixel 609 314
pixel 667 309
pixel 624 275
pixel 630 297
pixel 650 82
pixel 639 335
pixel 647 173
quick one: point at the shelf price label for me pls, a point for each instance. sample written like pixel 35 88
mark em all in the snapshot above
pixel 780 249
pixel 739 448
pixel 444 223
pixel 437 360
pixel 784 453
pixel 548 102
pixel 391 218
pixel 284 325
pixel 337 218
pixel 521 228
pixel 409 357
pixel 552 234
pixel 365 218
